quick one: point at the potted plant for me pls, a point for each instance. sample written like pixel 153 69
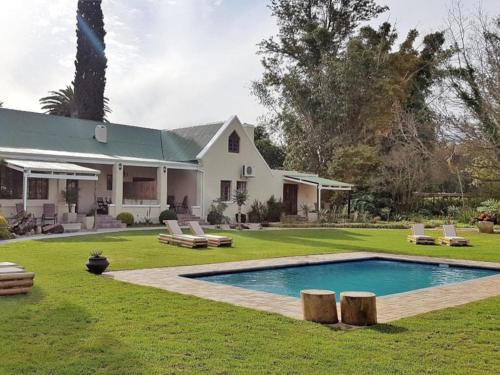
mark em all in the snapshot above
pixel 90 220
pixel 240 197
pixel 485 223
pixel 97 264
pixel 489 213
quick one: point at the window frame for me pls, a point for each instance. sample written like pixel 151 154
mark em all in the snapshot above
pixel 233 143
pixel 38 189
pixel 11 183
pixel 223 192
pixel 241 182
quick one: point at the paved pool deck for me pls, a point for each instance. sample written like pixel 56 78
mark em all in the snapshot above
pixel 389 308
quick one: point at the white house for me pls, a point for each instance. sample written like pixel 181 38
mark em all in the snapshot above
pixel 139 170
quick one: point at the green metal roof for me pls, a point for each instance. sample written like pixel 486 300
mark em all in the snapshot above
pixel 185 143
pixel 29 130
pixel 320 181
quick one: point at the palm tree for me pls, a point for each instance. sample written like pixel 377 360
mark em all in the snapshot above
pixel 61 102
pixel 240 197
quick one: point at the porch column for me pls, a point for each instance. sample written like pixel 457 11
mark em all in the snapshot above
pixel 118 187
pixel 25 191
pixel 161 183
pixel 199 191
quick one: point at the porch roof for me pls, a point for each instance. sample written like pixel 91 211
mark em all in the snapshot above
pixel 43 169
pixel 320 182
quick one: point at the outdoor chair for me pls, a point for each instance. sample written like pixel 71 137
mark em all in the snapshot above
pixel 450 237
pixel 213 240
pixel 176 237
pixel 49 214
pixel 102 206
pixel 418 236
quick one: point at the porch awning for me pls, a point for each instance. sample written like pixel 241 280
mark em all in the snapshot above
pixel 319 182
pixel 61 171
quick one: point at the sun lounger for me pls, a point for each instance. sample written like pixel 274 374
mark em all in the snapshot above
pixel 14 279
pixel 450 237
pixel 418 236
pixel 176 237
pixel 213 240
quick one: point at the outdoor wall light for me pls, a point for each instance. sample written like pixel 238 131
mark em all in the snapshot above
pixel 120 166
pixel 164 169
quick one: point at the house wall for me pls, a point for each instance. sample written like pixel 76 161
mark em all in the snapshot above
pixel 8 206
pixel 219 164
pixel 86 200
pixel 183 183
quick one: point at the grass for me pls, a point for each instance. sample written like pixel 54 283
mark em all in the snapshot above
pixel 77 323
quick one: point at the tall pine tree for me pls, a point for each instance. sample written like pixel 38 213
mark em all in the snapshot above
pixel 90 63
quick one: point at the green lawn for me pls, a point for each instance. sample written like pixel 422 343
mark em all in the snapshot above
pixel 77 323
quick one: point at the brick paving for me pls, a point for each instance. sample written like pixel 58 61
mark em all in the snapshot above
pixel 389 308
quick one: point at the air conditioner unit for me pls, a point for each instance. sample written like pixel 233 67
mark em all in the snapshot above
pixel 101 134
pixel 248 171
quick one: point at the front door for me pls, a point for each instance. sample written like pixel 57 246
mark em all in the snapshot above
pixel 290 192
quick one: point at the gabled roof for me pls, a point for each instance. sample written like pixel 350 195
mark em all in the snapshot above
pixel 37 131
pixel 30 130
pixel 184 144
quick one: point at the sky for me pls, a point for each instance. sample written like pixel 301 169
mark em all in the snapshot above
pixel 171 63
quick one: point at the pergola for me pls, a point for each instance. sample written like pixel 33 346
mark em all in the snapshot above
pixel 50 170
pixel 322 184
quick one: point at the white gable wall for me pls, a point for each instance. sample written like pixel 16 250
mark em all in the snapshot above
pixel 218 164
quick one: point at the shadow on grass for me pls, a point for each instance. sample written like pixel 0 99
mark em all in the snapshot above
pixel 387 328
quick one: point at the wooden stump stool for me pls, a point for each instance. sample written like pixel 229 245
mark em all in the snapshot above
pixel 319 306
pixel 358 308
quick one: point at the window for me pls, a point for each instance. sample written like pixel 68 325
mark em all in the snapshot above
pixel 241 185
pixel 38 188
pixel 109 182
pixel 11 183
pixel 234 143
pixel 225 191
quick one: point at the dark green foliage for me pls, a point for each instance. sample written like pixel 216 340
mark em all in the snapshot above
pixel 62 102
pixel 257 212
pixel 216 213
pixel 167 215
pixel 90 63
pixel 126 218
pixel 273 154
pixel 274 209
pixel 4 229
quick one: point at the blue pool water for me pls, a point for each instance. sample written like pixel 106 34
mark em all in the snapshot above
pixel 381 277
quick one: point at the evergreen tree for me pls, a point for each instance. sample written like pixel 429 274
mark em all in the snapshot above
pixel 90 63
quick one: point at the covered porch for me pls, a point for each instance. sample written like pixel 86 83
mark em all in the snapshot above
pixel 36 186
pixel 141 187
pixel 305 193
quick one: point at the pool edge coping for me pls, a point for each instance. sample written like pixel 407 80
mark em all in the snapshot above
pixel 391 307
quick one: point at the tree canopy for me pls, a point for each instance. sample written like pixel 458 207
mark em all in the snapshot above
pixel 90 63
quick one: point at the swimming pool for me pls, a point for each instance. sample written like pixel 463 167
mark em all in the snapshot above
pixel 382 277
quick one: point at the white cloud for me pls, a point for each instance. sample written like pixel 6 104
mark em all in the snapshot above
pixel 170 63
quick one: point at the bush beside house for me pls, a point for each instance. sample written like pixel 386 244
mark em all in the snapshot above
pixel 126 218
pixel 167 215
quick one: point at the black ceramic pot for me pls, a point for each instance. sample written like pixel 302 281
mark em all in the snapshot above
pixel 97 265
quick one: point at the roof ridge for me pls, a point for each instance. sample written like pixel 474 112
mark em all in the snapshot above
pixel 197 126
pixel 75 118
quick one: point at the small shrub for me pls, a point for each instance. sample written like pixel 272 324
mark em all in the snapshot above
pixel 168 215
pixel 4 229
pixel 257 212
pixel 126 218
pixel 96 253
pixel 274 209
pixel 216 213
